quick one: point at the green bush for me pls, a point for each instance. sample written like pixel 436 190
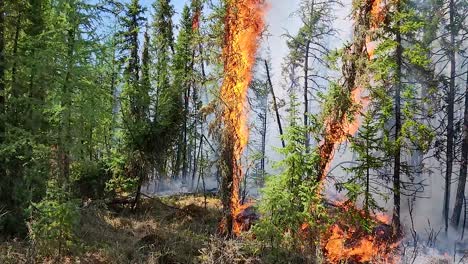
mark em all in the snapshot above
pixel 90 178
pixel 291 207
pixel 54 222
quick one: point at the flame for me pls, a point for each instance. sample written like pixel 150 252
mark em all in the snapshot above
pixel 349 246
pixel 338 128
pixel 378 14
pixel 238 224
pixel 347 241
pixel 243 25
pixel 384 218
pixel 337 131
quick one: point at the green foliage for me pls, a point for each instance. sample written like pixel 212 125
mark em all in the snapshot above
pixel 119 182
pixel 363 183
pixel 89 179
pixel 54 221
pixel 291 199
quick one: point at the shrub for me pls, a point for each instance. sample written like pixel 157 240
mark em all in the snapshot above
pixel 90 178
pixel 54 222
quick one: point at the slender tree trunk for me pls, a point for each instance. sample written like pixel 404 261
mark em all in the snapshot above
pixel 15 52
pixel 306 96
pixel 65 132
pixel 397 154
pixel 450 119
pixel 264 129
pixel 138 191
pixel 366 205
pixel 2 83
pixel 2 66
pixel 275 104
pixel 463 166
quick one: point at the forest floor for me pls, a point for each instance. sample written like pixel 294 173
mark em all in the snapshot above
pixel 163 230
pixel 166 230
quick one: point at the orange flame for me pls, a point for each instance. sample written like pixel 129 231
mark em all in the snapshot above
pixel 378 13
pixel 338 128
pixel 337 131
pixel 243 25
pixel 348 245
pixel 348 241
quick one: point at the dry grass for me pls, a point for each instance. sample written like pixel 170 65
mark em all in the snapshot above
pixel 172 230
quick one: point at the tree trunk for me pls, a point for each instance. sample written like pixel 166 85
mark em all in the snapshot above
pixel 15 52
pixel 2 91
pixel 65 130
pixel 450 119
pixel 306 96
pixel 397 154
pixel 275 104
pixel 264 129
pixel 2 65
pixel 463 166
pixel 366 202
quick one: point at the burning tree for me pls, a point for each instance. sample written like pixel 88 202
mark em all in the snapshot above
pixel 243 25
pixel 339 119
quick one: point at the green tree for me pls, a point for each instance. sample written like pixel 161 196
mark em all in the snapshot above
pixel 367 146
pixel 289 200
pixel 134 117
pixel 396 98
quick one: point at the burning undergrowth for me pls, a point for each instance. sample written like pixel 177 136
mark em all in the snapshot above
pixel 346 234
pixel 359 237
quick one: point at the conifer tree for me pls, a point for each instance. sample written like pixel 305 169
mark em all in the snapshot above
pixel 308 49
pixel 367 146
pixel 183 79
pixel 133 108
pixel 396 99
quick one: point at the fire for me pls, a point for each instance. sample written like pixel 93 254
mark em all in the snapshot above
pixel 243 26
pixel 346 240
pixel 337 127
pixel 337 131
pixel 348 245
pixel 378 13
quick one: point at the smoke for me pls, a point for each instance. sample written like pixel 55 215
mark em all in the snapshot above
pixel 426 217
pixel 169 187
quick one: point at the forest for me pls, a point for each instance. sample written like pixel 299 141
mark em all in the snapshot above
pixel 233 131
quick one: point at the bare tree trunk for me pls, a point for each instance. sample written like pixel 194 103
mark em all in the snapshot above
pixel 65 130
pixel 306 96
pixel 141 175
pixel 450 119
pixel 3 171
pixel 275 104
pixel 196 160
pixel 15 52
pixel 2 66
pixel 264 129
pixel 366 202
pixel 463 166
pixel 397 154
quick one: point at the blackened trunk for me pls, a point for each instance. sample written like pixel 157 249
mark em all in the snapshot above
pixel 306 95
pixel 366 205
pixel 463 166
pixel 397 154
pixel 275 104
pixel 450 119
pixel 265 113
pixel 2 65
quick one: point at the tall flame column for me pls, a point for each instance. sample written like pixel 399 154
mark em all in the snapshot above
pixel 243 26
